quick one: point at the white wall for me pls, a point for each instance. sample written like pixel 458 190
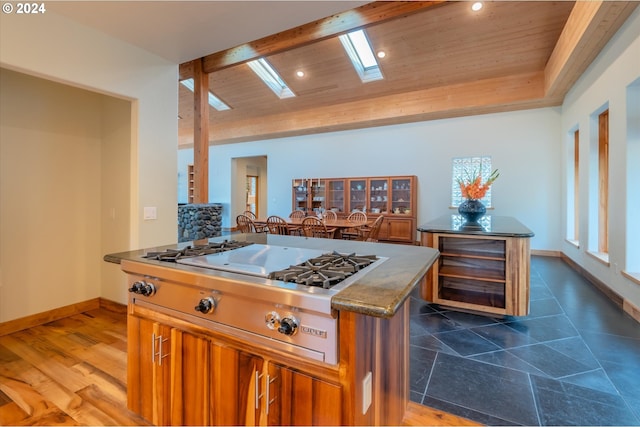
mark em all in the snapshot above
pixel 524 145
pixel 57 49
pixel 606 81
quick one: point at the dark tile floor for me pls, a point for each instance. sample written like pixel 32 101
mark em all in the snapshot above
pixel 574 360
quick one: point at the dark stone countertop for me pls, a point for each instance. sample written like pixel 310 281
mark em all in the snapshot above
pixel 379 293
pixel 489 225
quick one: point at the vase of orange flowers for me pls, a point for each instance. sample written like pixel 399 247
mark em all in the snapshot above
pixel 473 189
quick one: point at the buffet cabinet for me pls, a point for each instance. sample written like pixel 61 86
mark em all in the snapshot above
pixel 394 197
pixel 479 270
pixel 178 377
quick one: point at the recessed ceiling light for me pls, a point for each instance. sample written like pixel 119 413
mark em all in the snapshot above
pixel 382 54
pixel 300 73
pixel 476 6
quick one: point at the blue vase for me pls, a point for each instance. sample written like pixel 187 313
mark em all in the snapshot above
pixel 471 210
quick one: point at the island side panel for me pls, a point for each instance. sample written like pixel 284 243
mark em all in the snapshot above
pixel 391 385
pixel 518 276
pixel 357 358
pixel 380 346
pixel 428 290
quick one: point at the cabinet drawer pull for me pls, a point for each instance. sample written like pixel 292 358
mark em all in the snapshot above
pixel 153 348
pixel 257 389
pixel 267 399
pixel 160 355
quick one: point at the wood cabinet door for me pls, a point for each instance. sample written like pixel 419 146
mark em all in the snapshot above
pixel 237 387
pixel 148 373
pixel 399 229
pixel 190 379
pixel 294 398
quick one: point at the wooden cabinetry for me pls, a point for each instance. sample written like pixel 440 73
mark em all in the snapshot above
pixel 295 398
pixel 180 378
pixel 169 368
pixel 479 270
pixel 393 197
pixel 190 183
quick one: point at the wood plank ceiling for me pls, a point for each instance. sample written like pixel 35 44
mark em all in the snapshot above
pixel 443 60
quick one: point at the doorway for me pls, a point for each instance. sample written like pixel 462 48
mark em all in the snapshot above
pixel 248 186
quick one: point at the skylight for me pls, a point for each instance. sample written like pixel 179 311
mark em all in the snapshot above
pixel 269 76
pixel 359 50
pixel 214 101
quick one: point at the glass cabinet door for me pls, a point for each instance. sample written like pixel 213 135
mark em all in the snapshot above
pixel 357 195
pixel 318 195
pixel 300 195
pixel 378 196
pixel 335 195
pixel 401 196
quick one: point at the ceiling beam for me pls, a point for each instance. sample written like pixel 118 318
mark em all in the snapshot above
pixel 493 95
pixel 361 17
pixel 589 27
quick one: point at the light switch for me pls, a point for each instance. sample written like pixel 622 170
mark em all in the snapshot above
pixel 150 212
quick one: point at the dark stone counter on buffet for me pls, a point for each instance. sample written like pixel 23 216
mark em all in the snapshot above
pixel 379 293
pixel 488 225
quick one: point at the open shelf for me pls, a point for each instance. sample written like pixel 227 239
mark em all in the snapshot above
pixel 478 292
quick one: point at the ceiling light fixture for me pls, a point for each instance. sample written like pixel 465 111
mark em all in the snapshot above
pixel 476 6
pixel 381 54
pixel 300 73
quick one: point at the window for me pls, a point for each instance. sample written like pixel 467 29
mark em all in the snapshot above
pixel 598 200
pixel 359 50
pixel 214 101
pixel 270 77
pixel 464 166
pixel 603 182
pixel 573 189
pixel 252 194
pixel 632 262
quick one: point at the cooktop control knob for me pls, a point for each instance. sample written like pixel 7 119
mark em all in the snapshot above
pixel 272 320
pixel 143 288
pixel 206 305
pixel 288 325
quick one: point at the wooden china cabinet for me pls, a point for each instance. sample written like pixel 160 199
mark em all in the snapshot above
pixel 394 197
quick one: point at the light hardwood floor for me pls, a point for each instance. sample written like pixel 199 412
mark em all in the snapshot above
pixel 73 372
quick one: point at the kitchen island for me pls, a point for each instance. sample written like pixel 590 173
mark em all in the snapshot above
pixel 484 266
pixel 262 367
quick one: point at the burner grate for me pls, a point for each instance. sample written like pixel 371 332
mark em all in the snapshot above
pixel 324 271
pixel 172 255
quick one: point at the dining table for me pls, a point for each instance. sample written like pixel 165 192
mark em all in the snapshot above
pixel 340 224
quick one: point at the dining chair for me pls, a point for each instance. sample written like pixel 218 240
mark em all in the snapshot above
pixel 277 225
pixel 252 217
pixel 329 216
pixel 296 230
pixel 314 227
pixel 245 224
pixel 370 233
pixel 359 218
